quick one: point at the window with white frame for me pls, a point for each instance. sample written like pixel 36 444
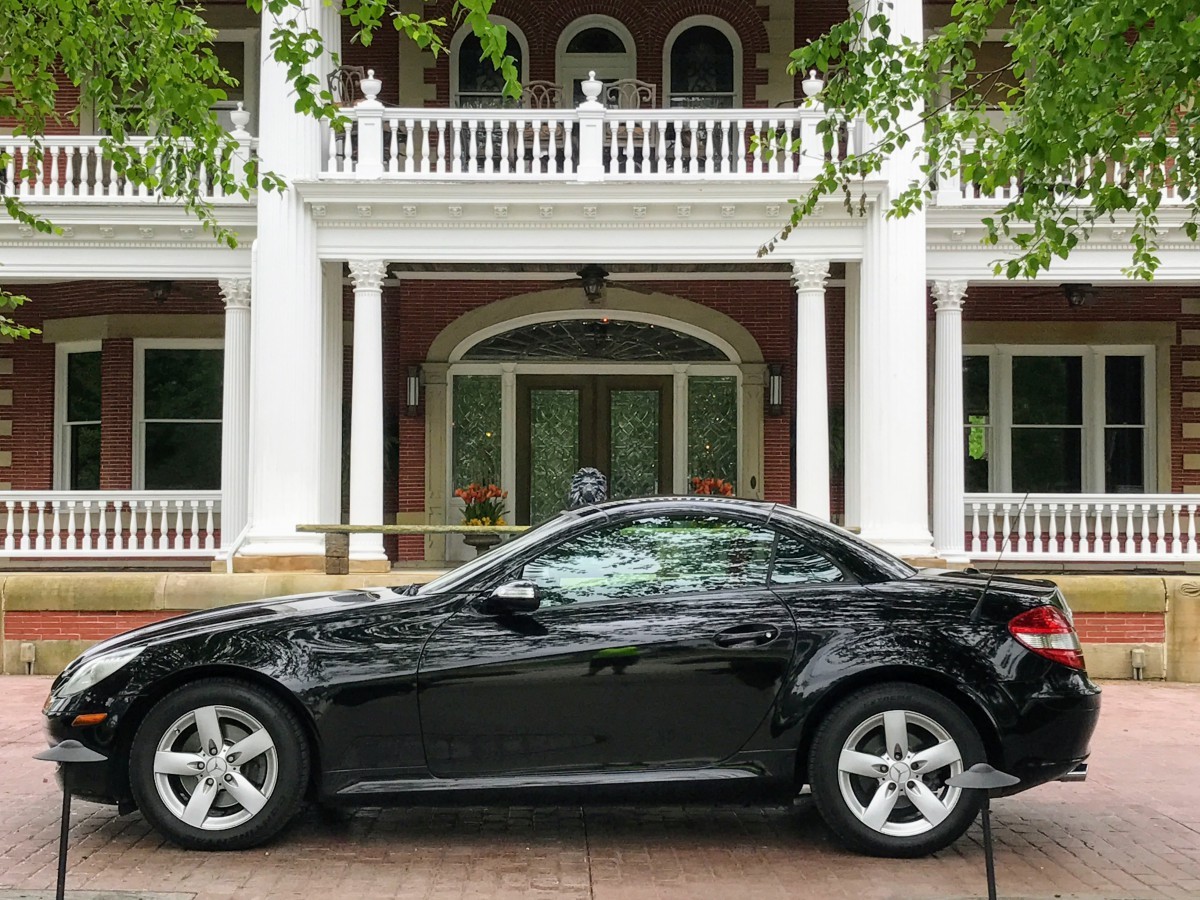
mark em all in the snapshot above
pixel 477 83
pixel 703 68
pixel 177 435
pixel 79 402
pixel 1061 419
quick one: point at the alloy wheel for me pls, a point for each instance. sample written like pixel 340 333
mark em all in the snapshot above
pixel 215 767
pixel 892 772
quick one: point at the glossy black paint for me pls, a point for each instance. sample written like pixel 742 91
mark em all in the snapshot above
pixel 435 696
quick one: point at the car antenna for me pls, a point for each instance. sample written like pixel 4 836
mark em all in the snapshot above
pixel 978 610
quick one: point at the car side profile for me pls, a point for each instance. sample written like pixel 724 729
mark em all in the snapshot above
pixel 675 648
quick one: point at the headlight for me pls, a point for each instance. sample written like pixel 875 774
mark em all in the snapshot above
pixel 95 670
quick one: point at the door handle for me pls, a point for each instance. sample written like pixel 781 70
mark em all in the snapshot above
pixel 746 636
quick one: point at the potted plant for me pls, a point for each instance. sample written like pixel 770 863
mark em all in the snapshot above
pixel 712 486
pixel 482 505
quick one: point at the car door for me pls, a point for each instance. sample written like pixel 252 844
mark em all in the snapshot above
pixel 657 644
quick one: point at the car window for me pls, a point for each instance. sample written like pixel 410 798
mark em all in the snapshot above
pixel 798 563
pixel 653 556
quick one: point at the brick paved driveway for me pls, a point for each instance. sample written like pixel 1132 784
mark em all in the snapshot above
pixel 1132 830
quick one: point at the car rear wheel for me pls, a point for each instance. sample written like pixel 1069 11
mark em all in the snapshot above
pixel 879 765
pixel 219 765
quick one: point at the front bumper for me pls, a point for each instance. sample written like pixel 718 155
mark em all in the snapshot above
pixel 100 782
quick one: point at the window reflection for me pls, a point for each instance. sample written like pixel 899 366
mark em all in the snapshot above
pixel 654 556
pixel 797 563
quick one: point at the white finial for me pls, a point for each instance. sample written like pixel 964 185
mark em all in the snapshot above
pixel 812 85
pixel 591 90
pixel 240 118
pixel 370 87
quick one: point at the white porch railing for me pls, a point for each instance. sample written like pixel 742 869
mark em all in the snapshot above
pixel 589 143
pixel 1082 527
pixel 76 169
pixel 84 524
pixel 953 190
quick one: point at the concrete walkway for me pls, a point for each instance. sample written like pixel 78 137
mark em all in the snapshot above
pixel 1131 831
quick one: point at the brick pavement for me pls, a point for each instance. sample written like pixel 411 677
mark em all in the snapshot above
pixel 1131 831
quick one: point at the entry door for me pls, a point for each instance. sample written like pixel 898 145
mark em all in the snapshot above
pixel 620 424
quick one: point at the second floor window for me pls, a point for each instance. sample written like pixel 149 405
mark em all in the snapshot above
pixel 702 69
pixel 480 84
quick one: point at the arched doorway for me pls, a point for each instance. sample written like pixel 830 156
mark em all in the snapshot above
pixel 650 399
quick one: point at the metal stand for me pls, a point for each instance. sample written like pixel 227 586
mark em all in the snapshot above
pixel 65 754
pixel 982 777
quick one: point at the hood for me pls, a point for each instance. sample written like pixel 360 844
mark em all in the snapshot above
pixel 229 617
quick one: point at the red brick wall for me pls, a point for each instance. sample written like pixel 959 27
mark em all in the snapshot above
pixel 32 412
pixel 1121 628
pixel 66 99
pixel 1114 303
pixel 62 625
pixel 542 23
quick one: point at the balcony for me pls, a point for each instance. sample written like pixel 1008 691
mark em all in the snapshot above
pixel 590 143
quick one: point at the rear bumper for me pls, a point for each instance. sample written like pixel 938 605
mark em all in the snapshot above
pixel 1051 739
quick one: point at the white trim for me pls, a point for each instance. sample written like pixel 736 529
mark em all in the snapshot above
pixel 735 41
pixel 140 346
pixel 568 66
pixel 61 474
pixel 619 315
pixel 249 38
pixel 456 43
pixel 1092 421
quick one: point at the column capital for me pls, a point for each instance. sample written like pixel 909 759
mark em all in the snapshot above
pixel 368 274
pixel 810 274
pixel 235 292
pixel 949 294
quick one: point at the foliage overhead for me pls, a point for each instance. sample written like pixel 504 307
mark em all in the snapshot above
pixel 1093 112
pixel 146 73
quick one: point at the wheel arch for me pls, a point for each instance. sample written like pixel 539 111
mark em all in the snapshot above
pixel 943 684
pixel 156 690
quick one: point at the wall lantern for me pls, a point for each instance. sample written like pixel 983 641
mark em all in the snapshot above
pixel 775 389
pixel 592 277
pixel 412 391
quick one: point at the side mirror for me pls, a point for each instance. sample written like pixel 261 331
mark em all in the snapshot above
pixel 515 597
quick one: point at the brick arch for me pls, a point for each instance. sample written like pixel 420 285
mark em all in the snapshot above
pixel 542 26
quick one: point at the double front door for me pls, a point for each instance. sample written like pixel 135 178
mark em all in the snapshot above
pixel 619 424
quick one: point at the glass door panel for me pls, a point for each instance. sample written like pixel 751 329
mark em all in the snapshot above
pixel 554 419
pixel 635 442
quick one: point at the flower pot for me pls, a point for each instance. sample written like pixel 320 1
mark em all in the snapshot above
pixel 481 542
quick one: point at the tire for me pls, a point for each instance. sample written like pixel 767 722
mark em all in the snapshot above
pixel 895 811
pixel 237 798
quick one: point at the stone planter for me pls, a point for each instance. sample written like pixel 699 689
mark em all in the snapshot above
pixel 481 542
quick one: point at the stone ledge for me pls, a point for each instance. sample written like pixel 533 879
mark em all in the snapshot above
pixel 1114 661
pixel 1113 593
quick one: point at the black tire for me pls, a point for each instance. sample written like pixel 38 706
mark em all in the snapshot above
pixel 284 768
pixel 847 720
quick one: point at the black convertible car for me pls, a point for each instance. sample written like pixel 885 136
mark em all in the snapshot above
pixel 671 648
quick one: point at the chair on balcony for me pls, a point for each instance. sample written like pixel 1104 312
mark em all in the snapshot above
pixel 345 84
pixel 630 93
pixel 541 95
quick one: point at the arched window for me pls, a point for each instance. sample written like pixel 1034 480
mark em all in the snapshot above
pixel 596 40
pixel 594 43
pixel 480 85
pixel 703 68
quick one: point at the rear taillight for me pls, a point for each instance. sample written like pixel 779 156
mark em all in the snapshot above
pixel 1047 632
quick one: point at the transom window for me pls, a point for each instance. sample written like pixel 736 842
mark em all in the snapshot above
pixel 702 69
pixel 619 341
pixel 178 426
pixel 1059 420
pixel 665 555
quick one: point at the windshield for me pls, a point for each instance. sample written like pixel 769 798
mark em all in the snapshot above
pixel 456 578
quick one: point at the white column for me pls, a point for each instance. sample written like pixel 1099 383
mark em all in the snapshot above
pixel 235 409
pixel 331 435
pixel 893 490
pixel 812 388
pixel 948 477
pixel 287 377
pixel 366 409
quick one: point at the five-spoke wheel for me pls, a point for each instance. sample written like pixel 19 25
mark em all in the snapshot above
pixel 219 765
pixel 879 767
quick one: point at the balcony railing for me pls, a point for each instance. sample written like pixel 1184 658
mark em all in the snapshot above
pixel 954 190
pixel 1104 528
pixel 76 169
pixel 589 143
pixel 88 524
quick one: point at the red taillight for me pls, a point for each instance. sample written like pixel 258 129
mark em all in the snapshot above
pixel 1047 632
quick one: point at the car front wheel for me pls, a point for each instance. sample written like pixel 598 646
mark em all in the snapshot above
pixel 219 765
pixel 879 766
